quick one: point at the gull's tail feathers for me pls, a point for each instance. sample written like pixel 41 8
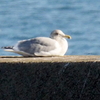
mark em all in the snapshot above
pixel 11 49
pixel 8 48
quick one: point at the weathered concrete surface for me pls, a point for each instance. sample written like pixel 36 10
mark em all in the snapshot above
pixel 50 78
pixel 50 59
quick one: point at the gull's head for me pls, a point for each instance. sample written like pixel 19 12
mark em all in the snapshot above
pixel 56 34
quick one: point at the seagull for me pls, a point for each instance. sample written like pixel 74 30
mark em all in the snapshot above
pixel 55 45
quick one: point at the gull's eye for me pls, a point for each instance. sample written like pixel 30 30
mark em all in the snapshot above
pixel 56 33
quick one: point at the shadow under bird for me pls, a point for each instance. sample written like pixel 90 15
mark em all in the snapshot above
pixel 55 45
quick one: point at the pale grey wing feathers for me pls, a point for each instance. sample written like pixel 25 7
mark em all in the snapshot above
pixel 37 45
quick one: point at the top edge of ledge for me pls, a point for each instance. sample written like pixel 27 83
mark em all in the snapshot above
pixel 67 58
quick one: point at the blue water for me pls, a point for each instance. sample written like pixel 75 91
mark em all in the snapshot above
pixel 24 19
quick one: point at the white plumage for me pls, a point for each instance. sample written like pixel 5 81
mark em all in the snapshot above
pixel 55 45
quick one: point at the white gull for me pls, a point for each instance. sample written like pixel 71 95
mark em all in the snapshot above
pixel 55 45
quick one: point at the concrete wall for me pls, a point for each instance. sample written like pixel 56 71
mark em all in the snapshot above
pixel 55 78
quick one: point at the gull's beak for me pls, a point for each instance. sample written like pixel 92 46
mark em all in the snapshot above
pixel 67 36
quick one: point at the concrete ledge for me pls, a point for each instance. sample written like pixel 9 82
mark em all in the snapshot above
pixel 50 78
pixel 18 59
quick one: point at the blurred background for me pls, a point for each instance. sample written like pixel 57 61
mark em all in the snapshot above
pixel 24 19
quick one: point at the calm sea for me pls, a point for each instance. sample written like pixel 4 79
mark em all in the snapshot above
pixel 24 19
